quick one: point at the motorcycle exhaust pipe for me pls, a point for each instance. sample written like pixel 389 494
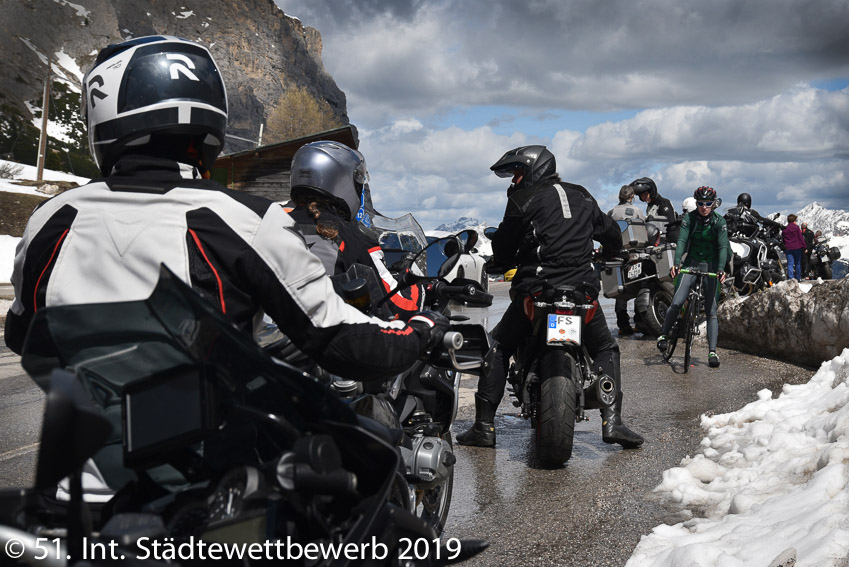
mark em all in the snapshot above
pixel 605 390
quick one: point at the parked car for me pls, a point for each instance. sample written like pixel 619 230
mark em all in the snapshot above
pixel 471 264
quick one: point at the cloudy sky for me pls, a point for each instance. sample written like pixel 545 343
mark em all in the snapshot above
pixel 743 96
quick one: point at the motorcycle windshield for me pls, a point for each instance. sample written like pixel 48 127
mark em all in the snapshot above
pixel 110 345
pixel 399 237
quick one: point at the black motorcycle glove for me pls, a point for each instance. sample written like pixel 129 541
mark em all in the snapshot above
pixel 431 326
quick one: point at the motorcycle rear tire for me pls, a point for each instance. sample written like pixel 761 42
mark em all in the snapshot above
pixel 436 501
pixel 558 400
pixel 651 306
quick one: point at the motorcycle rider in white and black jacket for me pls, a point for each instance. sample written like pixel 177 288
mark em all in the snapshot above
pixel 151 104
pixel 547 232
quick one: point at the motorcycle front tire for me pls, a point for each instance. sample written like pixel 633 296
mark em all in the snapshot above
pixel 558 400
pixel 825 271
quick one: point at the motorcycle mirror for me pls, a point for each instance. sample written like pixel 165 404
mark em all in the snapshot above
pixel 468 238
pixel 73 430
pixel 490 231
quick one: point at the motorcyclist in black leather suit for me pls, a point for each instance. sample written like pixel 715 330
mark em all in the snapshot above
pixel 547 231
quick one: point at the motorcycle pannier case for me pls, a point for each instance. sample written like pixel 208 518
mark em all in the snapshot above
pixel 664 259
pixel 834 253
pixel 612 279
pixel 634 234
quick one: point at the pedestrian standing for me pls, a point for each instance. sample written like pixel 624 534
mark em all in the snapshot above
pixel 624 211
pixel 794 245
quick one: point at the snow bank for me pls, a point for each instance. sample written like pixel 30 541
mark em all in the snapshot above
pixel 770 478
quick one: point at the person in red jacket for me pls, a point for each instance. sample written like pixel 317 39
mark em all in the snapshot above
pixel 794 245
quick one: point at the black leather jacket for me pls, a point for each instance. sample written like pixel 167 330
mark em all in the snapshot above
pixel 548 232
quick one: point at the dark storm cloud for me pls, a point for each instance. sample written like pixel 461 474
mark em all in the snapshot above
pixel 717 93
pixel 598 55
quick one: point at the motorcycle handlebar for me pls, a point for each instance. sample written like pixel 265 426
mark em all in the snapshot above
pixel 467 293
pixel 452 340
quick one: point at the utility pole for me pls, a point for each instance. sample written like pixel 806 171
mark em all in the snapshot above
pixel 42 140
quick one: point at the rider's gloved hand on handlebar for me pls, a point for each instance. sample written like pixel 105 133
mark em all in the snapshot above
pixel 431 326
pixel 673 271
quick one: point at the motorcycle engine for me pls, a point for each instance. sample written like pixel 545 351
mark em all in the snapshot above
pixel 429 460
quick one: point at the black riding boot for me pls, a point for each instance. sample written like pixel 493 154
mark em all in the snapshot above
pixel 614 431
pixel 482 433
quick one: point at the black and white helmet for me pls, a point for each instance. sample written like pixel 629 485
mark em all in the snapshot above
pixel 333 170
pixel 155 95
pixel 536 163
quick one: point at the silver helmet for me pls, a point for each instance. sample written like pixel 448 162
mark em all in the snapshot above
pixel 330 169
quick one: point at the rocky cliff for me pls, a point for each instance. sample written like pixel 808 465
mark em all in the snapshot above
pixel 261 50
pixel 788 322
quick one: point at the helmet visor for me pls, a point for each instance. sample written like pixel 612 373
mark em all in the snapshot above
pixel 154 74
pixel 509 170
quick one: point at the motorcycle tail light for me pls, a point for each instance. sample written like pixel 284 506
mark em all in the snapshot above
pixel 564 311
pixel 529 308
pixel 590 312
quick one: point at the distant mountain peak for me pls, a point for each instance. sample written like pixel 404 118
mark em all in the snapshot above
pixel 461 224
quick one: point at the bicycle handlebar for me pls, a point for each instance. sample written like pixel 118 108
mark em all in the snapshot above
pixel 698 272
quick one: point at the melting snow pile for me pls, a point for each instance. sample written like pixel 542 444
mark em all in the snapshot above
pixel 770 482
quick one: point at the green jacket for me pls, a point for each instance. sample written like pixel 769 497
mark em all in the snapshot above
pixel 703 242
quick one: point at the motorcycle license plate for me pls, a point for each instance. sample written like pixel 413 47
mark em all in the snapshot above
pixel 634 271
pixel 563 329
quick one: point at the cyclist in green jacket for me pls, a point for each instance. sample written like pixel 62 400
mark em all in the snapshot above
pixel 704 239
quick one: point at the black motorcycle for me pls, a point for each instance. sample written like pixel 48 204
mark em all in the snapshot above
pixel 552 375
pixel 423 399
pixel 822 257
pixel 758 260
pixel 214 449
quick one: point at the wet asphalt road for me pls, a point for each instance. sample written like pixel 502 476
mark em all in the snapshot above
pixel 590 512
pixel 593 510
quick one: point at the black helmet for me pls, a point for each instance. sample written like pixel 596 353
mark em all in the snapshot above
pixel 536 163
pixel 331 169
pixel 744 200
pixel 643 185
pixel 155 95
pixel 705 193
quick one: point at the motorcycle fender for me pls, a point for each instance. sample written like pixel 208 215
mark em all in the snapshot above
pixel 559 361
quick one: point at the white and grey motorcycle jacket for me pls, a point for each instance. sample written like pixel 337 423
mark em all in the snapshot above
pixel 105 242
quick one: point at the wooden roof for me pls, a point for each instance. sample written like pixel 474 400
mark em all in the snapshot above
pixel 265 170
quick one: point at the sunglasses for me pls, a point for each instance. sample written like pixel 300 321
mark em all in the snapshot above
pixel 704 203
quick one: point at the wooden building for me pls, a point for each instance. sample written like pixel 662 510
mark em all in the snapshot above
pixel 265 171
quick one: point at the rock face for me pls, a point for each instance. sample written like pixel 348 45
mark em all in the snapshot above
pixel 260 50
pixel 786 322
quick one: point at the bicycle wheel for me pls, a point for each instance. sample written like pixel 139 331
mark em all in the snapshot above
pixel 672 339
pixel 689 323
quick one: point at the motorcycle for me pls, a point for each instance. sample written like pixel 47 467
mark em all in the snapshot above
pixel 757 258
pixel 552 375
pixel 424 398
pixel 419 404
pixel 642 274
pixel 822 257
pixel 217 449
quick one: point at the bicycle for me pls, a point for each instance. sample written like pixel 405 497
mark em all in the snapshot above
pixel 686 322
